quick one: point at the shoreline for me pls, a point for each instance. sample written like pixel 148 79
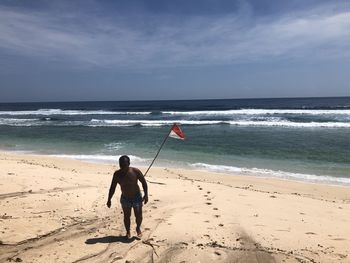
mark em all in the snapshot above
pixel 244 172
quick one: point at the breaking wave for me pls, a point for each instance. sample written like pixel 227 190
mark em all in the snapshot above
pixel 48 112
pixel 101 158
pixel 97 122
pixel 291 118
pixel 267 122
pixel 259 112
pixel 292 124
pixel 272 173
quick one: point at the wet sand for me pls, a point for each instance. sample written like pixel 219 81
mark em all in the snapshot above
pixel 53 210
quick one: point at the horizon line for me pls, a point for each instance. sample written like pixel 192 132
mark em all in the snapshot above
pixel 246 98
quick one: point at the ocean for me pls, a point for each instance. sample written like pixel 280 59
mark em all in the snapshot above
pixel 292 138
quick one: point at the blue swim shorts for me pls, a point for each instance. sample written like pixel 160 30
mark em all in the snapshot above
pixel 131 202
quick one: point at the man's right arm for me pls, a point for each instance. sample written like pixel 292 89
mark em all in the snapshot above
pixel 112 190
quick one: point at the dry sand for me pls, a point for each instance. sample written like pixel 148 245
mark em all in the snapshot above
pixel 53 210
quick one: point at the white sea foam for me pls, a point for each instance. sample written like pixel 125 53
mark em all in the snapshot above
pixel 271 173
pixel 270 122
pixel 101 158
pixel 259 112
pixel 263 121
pixel 48 112
pixel 18 122
pixel 97 122
pixel 113 146
pixel 292 124
pixel 184 122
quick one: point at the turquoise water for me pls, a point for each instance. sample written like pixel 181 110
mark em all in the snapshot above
pixel 306 139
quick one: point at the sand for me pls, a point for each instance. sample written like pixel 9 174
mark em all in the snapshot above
pixel 54 210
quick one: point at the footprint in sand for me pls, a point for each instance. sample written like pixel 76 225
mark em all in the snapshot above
pixel 310 233
pixel 208 203
pixel 217 216
pixel 215 208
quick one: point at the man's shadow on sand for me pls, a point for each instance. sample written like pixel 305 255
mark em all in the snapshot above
pixel 110 239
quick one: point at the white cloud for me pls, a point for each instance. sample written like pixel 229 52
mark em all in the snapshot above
pixel 236 38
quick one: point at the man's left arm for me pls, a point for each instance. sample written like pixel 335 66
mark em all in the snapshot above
pixel 144 185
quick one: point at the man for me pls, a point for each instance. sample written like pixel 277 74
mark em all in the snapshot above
pixel 127 177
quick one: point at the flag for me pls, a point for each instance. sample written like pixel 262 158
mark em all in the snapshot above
pixel 177 133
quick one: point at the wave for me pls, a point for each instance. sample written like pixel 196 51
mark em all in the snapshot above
pixel 292 124
pixel 259 112
pixel 48 112
pixel 113 146
pixel 102 123
pixel 101 158
pixel 267 122
pixel 272 173
pixel 97 122
pixel 18 122
pixel 233 112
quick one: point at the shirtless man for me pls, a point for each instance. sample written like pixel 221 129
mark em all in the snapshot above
pixel 127 178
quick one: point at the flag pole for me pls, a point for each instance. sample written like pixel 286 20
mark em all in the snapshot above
pixel 167 136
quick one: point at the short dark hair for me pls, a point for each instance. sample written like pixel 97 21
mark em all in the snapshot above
pixel 124 157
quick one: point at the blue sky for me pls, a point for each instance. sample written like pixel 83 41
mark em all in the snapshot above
pixel 176 49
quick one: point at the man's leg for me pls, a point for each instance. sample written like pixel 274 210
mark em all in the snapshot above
pixel 138 216
pixel 127 214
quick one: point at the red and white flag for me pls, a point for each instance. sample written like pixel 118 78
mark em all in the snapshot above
pixel 177 133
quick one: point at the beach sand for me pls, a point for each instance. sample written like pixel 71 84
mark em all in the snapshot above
pixel 54 210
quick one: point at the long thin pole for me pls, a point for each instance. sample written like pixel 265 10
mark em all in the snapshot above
pixel 167 136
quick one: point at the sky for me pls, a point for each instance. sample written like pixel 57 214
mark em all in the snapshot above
pixel 89 50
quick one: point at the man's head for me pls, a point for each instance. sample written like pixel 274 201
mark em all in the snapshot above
pixel 124 161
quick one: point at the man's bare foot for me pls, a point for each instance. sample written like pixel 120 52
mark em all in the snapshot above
pixel 138 231
pixel 128 235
